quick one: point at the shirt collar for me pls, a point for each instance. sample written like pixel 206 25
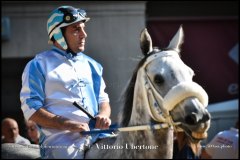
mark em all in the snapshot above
pixel 65 54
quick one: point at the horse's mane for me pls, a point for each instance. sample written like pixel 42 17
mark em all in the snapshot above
pixel 128 95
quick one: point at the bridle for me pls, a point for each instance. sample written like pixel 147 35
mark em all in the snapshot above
pixel 159 107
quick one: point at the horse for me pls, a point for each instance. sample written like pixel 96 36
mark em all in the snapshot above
pixel 161 91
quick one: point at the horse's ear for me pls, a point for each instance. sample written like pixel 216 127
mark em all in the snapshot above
pixel 145 42
pixel 177 40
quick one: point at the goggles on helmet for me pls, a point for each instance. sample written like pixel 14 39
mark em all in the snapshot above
pixel 70 16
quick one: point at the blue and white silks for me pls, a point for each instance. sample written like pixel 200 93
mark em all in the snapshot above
pixel 53 80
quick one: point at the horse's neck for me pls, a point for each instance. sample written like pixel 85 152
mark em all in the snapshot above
pixel 161 140
pixel 140 115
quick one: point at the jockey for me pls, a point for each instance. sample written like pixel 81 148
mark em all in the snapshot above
pixel 56 78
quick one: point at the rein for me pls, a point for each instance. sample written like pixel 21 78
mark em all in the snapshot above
pixel 127 129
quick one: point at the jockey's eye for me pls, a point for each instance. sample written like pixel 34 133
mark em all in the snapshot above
pixel 158 79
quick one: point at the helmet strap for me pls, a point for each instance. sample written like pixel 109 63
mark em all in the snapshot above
pixel 68 50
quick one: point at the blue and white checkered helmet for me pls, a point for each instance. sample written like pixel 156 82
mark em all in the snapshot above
pixel 61 17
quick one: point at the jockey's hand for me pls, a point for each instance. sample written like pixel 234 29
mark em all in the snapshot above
pixel 102 122
pixel 77 126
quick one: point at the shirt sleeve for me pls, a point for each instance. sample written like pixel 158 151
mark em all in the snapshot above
pixel 32 91
pixel 98 82
pixel 103 96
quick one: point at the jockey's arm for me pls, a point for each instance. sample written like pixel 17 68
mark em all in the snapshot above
pixel 50 120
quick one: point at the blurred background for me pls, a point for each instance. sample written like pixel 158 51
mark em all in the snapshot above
pixel 210 46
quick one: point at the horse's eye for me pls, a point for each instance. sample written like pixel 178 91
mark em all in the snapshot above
pixel 158 79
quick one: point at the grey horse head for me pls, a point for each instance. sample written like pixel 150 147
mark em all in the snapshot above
pixel 171 89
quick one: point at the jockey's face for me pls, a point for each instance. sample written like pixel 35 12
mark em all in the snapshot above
pixel 75 36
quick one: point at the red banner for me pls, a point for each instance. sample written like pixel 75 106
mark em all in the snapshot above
pixel 210 48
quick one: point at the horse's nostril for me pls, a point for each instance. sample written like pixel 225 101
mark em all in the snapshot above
pixel 206 116
pixel 191 119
